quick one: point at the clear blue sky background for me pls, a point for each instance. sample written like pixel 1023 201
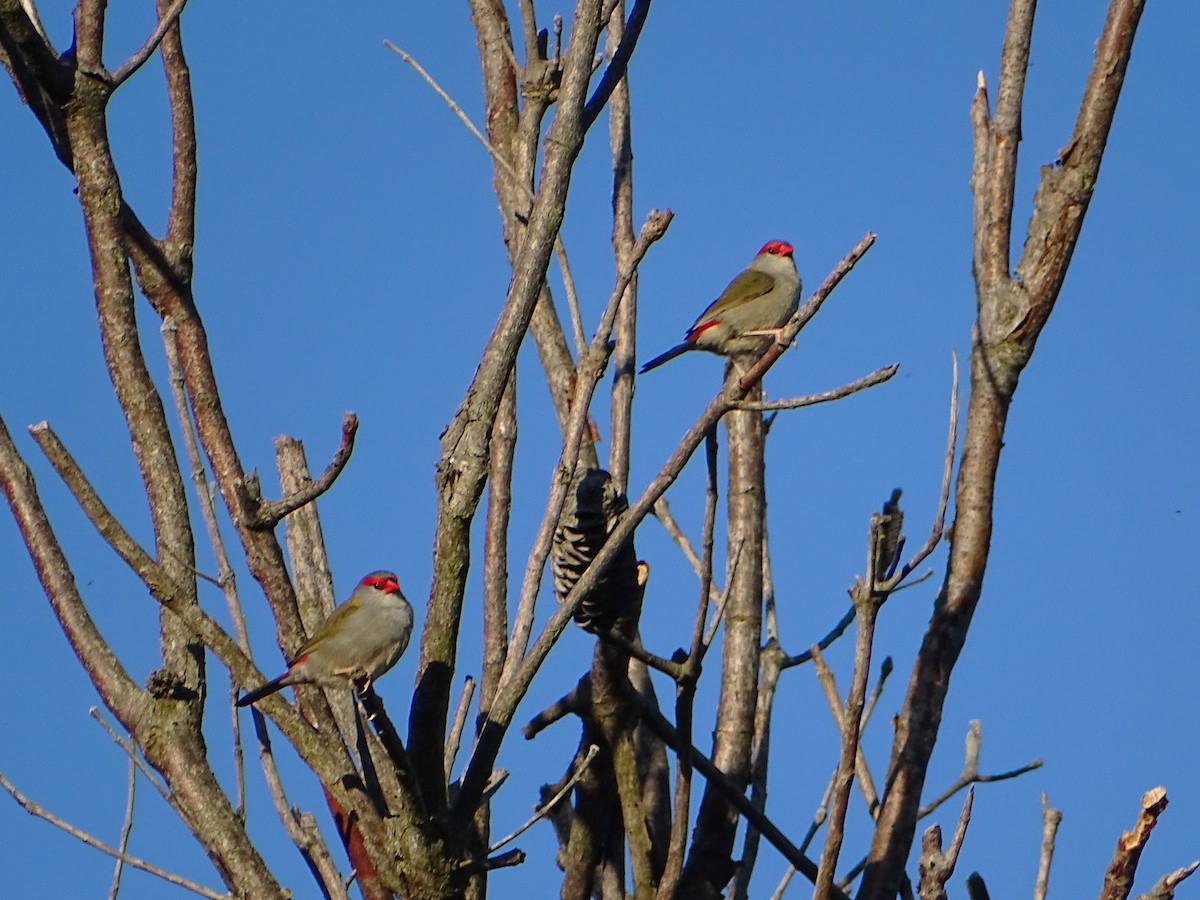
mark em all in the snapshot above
pixel 349 257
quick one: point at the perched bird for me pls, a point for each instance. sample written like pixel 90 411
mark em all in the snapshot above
pixel 755 305
pixel 361 639
pixel 594 507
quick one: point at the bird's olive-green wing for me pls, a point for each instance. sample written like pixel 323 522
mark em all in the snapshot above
pixel 748 286
pixel 332 625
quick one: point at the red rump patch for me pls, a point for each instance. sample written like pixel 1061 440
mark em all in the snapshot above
pixel 298 660
pixel 697 330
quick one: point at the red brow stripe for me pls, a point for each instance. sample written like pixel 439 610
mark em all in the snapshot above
pixel 702 327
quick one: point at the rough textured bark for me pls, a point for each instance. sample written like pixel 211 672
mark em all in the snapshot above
pixel 464 460
pixel 710 865
pixel 1012 312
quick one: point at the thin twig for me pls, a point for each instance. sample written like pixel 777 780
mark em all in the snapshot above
pixel 589 375
pixel 970 776
pixel 685 687
pixel 269 513
pixel 829 685
pixel 126 830
pixel 460 721
pixel 960 830
pixel 714 623
pixel 227 580
pixel 666 732
pixel 300 827
pixel 35 809
pixel 1164 888
pixel 939 521
pixel 879 376
pixel 662 512
pixel 521 185
pixel 885 669
pixel 834 633
pixel 541 811
pixel 458 112
pixel 131 751
pixel 617 65
pixel 822 810
pixel 573 310
pixel 135 62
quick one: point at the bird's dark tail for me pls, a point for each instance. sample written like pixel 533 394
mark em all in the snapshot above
pixel 275 684
pixel 667 357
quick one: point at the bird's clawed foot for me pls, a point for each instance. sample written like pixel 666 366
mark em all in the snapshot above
pixel 356 675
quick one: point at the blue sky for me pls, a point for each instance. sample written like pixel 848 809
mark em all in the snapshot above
pixel 349 257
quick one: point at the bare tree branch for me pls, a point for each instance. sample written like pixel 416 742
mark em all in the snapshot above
pixel 590 371
pixel 266 514
pixel 620 59
pixel 625 353
pixel 544 808
pixel 829 686
pixel 460 721
pixel 1011 315
pixel 502 711
pixel 226 578
pixel 662 512
pixel 935 866
pixel 685 689
pixel 131 751
pixel 1051 818
pixel 464 458
pixel 1164 888
pixel 135 62
pixel 834 633
pixel 879 376
pixel 1118 879
pixel 755 817
pixel 36 809
pixel 970 776
pixel 301 827
pixel 126 829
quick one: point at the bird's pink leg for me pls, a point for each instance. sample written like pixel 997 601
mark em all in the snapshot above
pixel 769 332
pixel 354 674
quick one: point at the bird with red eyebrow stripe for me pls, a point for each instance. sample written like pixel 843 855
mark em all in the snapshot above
pixel 756 304
pixel 360 640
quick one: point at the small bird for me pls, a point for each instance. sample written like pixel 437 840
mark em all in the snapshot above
pixel 755 305
pixel 361 639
